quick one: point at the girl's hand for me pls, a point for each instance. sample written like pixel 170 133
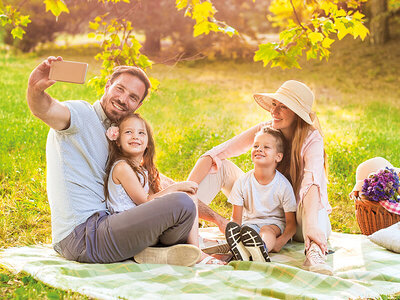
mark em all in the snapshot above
pixel 189 187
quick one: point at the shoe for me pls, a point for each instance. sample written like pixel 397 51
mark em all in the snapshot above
pixel 316 261
pixel 254 244
pixel 179 255
pixel 232 234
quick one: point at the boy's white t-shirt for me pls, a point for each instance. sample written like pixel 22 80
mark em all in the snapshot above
pixel 263 204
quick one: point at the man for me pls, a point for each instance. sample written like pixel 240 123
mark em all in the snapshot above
pixel 76 151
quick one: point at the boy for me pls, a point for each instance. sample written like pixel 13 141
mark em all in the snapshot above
pixel 263 200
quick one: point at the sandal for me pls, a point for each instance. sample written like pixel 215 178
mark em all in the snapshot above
pixel 233 237
pixel 254 244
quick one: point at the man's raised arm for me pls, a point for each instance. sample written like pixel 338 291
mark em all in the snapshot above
pixel 42 105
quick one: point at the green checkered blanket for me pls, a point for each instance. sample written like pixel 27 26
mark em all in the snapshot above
pixel 362 270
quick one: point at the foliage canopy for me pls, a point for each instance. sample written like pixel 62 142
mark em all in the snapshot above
pixel 307 27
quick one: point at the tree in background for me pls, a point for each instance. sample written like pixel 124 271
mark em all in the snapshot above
pixel 43 26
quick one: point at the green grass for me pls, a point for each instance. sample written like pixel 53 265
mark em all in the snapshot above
pixel 199 105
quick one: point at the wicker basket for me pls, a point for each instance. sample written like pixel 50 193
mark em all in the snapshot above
pixel 371 216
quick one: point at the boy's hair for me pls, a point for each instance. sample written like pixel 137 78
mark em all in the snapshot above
pixel 278 135
pixel 135 71
pixel 115 153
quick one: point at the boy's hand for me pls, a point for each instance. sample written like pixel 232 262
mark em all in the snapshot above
pixel 189 187
pixel 278 245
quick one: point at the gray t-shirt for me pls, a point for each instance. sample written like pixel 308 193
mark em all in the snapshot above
pixel 263 203
pixel 76 159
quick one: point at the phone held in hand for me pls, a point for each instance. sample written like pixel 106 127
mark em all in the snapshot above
pixel 68 71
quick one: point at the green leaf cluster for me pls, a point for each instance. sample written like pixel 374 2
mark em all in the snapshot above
pixel 13 17
pixel 119 47
pixel 326 20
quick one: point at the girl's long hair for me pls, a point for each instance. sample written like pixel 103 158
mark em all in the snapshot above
pixel 147 163
pixel 293 166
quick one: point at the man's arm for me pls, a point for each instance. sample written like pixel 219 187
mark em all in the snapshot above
pixel 42 105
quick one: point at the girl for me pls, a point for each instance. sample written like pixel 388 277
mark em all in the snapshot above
pixel 290 107
pixel 132 177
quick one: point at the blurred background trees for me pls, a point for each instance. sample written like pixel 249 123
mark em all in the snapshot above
pixel 167 33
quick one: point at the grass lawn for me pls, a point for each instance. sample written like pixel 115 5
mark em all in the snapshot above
pixel 199 105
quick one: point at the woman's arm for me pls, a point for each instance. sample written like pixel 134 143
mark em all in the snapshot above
pixel 288 233
pixel 312 204
pixel 237 213
pixel 201 169
pixel 211 160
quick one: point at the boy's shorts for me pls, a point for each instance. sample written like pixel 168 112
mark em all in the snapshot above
pixel 257 227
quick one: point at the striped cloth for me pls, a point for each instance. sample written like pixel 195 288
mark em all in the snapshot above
pixel 361 270
pixel 390 206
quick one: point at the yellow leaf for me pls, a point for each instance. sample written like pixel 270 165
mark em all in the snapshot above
pixel 203 11
pixel 341 13
pixel 360 30
pixel 342 31
pixel 56 7
pixel 201 28
pixel 326 43
pixel 93 25
pixel 315 37
pixel 358 16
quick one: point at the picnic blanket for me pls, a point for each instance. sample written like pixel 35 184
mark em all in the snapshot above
pixel 361 270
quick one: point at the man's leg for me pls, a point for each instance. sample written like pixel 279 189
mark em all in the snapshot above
pixel 209 187
pixel 111 238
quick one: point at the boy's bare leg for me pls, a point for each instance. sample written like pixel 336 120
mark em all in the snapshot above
pixel 269 233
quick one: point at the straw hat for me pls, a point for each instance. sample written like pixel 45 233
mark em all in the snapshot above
pixel 295 95
pixel 370 166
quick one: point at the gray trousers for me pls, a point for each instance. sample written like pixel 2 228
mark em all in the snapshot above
pixel 106 238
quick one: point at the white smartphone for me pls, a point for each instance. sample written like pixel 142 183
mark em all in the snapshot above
pixel 68 71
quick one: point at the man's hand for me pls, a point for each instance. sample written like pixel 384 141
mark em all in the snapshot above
pixel 39 79
pixel 41 104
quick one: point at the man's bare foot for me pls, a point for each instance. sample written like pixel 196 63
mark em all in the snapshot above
pixel 206 259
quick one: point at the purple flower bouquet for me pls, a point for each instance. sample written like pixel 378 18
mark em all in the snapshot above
pixel 382 186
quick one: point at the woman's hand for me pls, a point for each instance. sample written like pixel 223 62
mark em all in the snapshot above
pixel 189 187
pixel 313 234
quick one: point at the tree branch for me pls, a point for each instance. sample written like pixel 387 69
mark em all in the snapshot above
pixel 297 17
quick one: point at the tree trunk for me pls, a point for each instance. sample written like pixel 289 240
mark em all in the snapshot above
pixel 379 27
pixel 152 44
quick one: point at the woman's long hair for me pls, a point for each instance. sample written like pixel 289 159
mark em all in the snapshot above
pixel 293 167
pixel 147 163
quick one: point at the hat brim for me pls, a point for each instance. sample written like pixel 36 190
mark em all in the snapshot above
pixel 359 183
pixel 265 101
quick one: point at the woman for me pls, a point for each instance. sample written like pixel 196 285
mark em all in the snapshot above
pixel 304 166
